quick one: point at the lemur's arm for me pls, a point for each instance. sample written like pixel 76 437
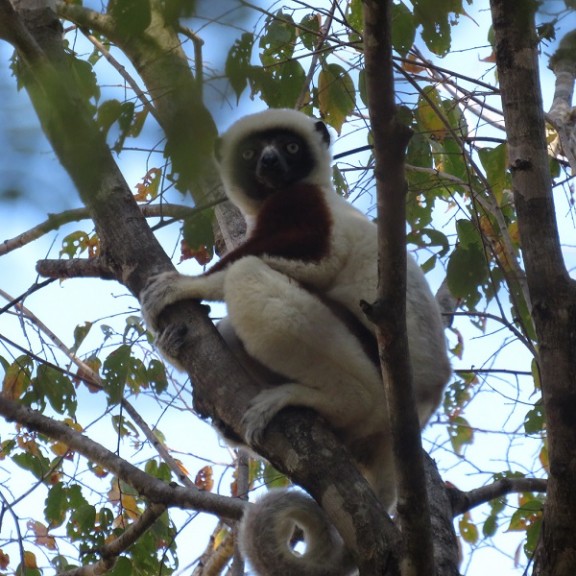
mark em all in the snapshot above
pixel 300 235
pixel 169 287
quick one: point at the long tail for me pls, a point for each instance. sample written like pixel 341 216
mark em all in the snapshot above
pixel 267 529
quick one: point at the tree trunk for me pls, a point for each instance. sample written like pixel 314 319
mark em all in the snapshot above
pixel 552 292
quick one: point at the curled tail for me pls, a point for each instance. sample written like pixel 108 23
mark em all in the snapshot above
pixel 267 529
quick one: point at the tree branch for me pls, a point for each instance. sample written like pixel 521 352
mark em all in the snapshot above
pixel 147 486
pixel 552 291
pixel 75 268
pixel 110 551
pixel 55 221
pixel 389 312
pixel 464 501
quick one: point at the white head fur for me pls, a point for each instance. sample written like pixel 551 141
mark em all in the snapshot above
pixel 277 118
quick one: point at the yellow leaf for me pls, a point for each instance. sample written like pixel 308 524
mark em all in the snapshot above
pixel 182 467
pixel 204 479
pixel 30 560
pixel 543 457
pixel 130 506
pixel 468 530
pixel 59 448
pixel 148 189
pixel 72 424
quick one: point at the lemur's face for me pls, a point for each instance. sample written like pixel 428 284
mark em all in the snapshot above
pixel 270 161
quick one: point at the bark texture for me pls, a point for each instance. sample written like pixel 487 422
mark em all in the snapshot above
pixel 552 292
pixel 389 312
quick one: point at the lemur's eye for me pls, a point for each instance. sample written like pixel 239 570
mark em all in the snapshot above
pixel 248 154
pixel 292 148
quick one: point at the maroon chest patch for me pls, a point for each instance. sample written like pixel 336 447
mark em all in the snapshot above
pixel 294 223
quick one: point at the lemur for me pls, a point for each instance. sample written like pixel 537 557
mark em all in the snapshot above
pixel 306 248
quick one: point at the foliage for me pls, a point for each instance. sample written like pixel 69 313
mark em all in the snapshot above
pixel 461 225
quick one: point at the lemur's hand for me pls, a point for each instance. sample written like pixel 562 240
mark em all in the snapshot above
pixel 160 291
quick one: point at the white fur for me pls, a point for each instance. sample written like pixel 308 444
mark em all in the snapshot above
pixel 291 332
pixel 281 118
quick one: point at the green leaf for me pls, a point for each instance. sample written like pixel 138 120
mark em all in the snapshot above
pixel 131 17
pixel 355 20
pixel 161 471
pixel 75 496
pixel 419 153
pixel 453 160
pixel 280 84
pixel 17 378
pixel 533 534
pixel 534 421
pixel 278 39
pixel 468 234
pixel 362 87
pixel 495 162
pixel 57 388
pixel 534 368
pixel 115 373
pixel 461 433
pixel 490 526
pixel 156 375
pixel 83 520
pixel 74 244
pixel 198 230
pixel 428 238
pixel 56 505
pixel 133 329
pixel 468 530
pixel 237 66
pixel 123 426
pixel 80 333
pixel 309 30
pixel 37 464
pixel 274 479
pixel 105 518
pixel 108 113
pixel 336 95
pixel 403 28
pixel 86 83
pixel 123 567
pixel 436 22
pixel 467 271
pixel 456 119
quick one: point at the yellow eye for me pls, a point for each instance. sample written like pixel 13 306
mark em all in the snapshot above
pixel 292 148
pixel 248 154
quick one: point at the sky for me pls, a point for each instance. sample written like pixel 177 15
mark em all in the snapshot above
pixel 34 185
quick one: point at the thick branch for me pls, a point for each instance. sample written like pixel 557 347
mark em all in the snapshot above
pixel 552 292
pixel 75 268
pixel 147 486
pixel 390 141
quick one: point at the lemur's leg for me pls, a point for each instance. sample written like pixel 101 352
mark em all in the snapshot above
pixel 290 331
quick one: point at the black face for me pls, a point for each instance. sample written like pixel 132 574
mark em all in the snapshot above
pixel 271 160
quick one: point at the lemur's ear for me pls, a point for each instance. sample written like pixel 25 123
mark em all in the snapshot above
pixel 321 127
